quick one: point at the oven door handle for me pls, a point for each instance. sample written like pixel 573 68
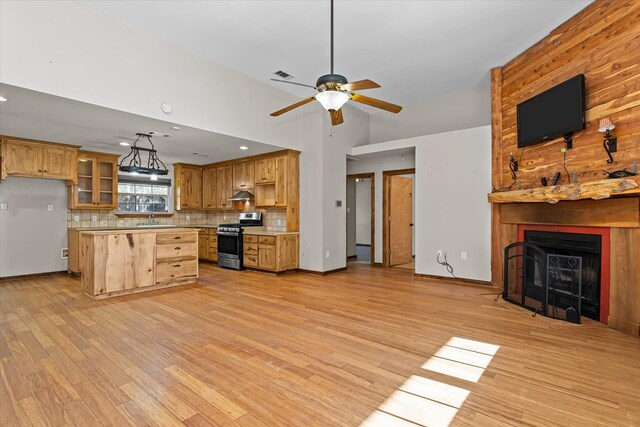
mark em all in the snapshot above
pixel 224 233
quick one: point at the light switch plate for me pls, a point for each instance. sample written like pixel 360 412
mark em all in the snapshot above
pixel 50 208
pixel 94 218
pixel 4 206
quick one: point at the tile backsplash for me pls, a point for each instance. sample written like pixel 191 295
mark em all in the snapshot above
pixel 273 219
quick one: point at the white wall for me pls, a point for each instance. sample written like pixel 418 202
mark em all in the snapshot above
pixel 379 165
pixel 351 217
pixel 71 50
pixel 354 131
pixel 443 114
pixel 363 212
pixel 31 237
pixel 453 178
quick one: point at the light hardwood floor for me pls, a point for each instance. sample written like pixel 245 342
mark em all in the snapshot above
pixel 368 345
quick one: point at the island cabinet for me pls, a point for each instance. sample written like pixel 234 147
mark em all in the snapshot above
pixel 119 262
pixel 37 159
pixel 271 251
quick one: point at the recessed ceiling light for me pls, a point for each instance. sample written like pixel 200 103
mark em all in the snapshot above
pixel 175 128
pixel 244 147
pixel 3 99
pixel 124 143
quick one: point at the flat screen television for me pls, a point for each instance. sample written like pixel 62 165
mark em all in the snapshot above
pixel 556 112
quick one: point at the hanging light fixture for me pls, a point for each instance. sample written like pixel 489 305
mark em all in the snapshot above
pixel 132 162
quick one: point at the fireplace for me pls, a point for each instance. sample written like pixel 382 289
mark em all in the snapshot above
pixel 582 251
pixel 559 271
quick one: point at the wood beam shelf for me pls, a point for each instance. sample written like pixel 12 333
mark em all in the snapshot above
pixel 595 190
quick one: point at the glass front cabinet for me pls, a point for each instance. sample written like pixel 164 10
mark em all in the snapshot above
pixel 97 182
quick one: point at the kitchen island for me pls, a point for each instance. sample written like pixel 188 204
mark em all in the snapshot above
pixel 124 261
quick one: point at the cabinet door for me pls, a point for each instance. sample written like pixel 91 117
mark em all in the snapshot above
pixel 224 184
pixel 83 190
pixel 265 170
pixel 209 187
pixel 107 183
pixel 281 181
pixel 243 176
pixel 203 247
pixel 267 257
pixel 191 188
pixel 140 260
pixel 23 159
pixel 58 162
pixel 127 262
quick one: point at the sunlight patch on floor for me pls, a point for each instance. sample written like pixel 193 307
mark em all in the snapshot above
pixel 424 402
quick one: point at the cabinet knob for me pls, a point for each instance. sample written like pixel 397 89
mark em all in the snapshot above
pixel 177 238
pixel 176 265
pixel 177 248
pixel 39 170
pixel 45 171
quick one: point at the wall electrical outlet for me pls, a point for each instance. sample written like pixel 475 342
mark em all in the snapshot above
pixel 50 208
pixel 64 253
pixel 327 254
pixel 188 216
pixel 4 206
pixel 76 218
pixel 94 218
pixel 463 255
pixel 279 222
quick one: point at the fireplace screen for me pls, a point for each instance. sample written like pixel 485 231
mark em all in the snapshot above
pixel 546 283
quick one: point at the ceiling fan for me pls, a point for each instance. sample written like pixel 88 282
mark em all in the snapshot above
pixel 334 91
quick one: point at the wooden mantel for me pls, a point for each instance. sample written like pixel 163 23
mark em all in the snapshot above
pixel 595 190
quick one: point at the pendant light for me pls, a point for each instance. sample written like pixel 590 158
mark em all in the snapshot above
pixel 132 162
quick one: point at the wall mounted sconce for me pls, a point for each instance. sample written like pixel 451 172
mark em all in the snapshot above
pixel 610 144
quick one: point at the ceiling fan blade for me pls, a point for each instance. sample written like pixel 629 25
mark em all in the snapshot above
pixel 360 85
pixel 292 106
pixel 336 117
pixel 387 106
pixel 293 83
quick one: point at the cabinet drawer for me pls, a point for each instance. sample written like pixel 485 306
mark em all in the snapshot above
pixel 267 240
pixel 170 270
pixel 175 237
pixel 251 260
pixel 251 249
pixel 177 251
pixel 250 239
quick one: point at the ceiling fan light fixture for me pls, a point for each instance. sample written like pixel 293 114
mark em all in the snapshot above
pixel 332 100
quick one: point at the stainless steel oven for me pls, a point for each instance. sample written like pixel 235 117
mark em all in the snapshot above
pixel 230 240
pixel 230 246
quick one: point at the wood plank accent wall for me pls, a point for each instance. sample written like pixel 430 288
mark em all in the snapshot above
pixel 603 43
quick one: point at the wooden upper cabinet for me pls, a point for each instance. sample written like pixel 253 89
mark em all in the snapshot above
pixel 58 162
pixel 224 186
pixel 96 185
pixel 281 181
pixel 209 188
pixel 243 176
pixel 37 159
pixel 265 170
pixel 188 186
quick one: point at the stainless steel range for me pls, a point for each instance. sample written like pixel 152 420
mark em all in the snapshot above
pixel 230 240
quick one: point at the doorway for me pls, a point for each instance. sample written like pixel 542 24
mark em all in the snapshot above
pixel 361 218
pixel 398 207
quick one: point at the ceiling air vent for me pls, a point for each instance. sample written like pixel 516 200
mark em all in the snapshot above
pixel 283 75
pixel 158 134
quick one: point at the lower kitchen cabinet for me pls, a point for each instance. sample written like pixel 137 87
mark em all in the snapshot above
pixel 274 252
pixel 208 244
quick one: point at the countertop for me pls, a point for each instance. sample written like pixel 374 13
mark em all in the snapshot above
pixel 134 230
pixel 249 232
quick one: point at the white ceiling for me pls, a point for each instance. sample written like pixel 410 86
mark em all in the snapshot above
pixel 415 49
pixel 37 115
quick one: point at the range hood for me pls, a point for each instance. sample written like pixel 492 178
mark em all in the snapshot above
pixel 243 196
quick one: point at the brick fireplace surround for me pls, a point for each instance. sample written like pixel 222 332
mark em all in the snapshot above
pixel 617 218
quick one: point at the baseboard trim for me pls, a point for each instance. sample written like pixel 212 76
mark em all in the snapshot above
pixel 624 326
pixel 352 257
pixel 455 281
pixel 362 244
pixel 32 276
pixel 322 273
